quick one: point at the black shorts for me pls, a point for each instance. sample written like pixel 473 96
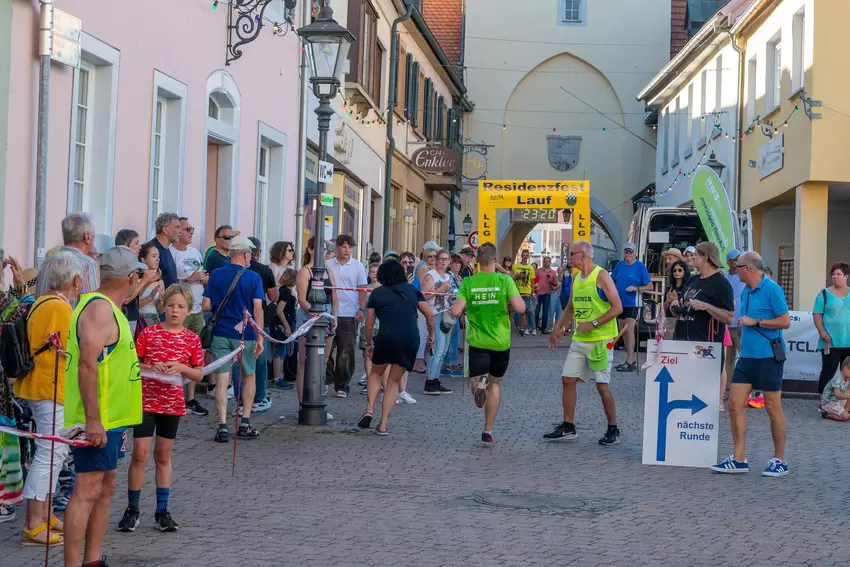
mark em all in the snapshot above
pixel 400 353
pixel 629 313
pixel 763 374
pixel 164 425
pixel 485 361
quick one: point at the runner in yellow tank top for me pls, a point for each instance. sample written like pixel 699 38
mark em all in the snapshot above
pixel 595 304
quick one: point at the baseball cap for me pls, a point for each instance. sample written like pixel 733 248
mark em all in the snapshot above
pixel 431 244
pixel 240 242
pixel 733 254
pixel 691 250
pixel 468 251
pixel 629 246
pixel 119 261
pixel 391 255
pixel 255 241
pixel 712 253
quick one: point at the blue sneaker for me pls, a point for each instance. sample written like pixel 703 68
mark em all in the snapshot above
pixel 775 467
pixel 731 466
pixel 281 384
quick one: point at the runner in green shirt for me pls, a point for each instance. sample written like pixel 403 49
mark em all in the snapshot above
pixel 486 297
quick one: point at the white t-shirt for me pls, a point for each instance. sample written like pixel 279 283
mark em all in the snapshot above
pixel 437 301
pixel 189 261
pixel 350 274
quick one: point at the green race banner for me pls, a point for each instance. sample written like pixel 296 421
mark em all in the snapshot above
pixel 712 205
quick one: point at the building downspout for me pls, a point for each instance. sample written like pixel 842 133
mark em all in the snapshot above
pixel 302 142
pixel 45 48
pixel 391 104
pixel 736 196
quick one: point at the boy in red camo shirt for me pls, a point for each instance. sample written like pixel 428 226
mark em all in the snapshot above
pixel 167 348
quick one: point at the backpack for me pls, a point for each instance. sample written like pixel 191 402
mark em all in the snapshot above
pixel 15 354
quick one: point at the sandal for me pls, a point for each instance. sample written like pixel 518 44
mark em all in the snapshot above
pixel 35 537
pixel 626 367
pixel 56 525
pixel 379 432
pixel 365 421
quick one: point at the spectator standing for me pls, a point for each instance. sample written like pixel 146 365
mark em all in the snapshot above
pixel 190 271
pixel 220 255
pixel 467 254
pixel 281 257
pixel 436 283
pixel 247 295
pixel 631 278
pixel 51 312
pixel 706 305
pixel 78 237
pixel 831 316
pixel 167 232
pixel 671 256
pixel 285 361
pixel 130 238
pixel 104 393
pixel 348 273
pixel 677 281
pixel 523 274
pixel 690 257
pixel 547 279
pixel 764 313
pixel 150 295
pixel 738 286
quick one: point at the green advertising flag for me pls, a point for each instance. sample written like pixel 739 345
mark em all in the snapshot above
pixel 712 205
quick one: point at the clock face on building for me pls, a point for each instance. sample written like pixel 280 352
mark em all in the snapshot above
pixel 534 215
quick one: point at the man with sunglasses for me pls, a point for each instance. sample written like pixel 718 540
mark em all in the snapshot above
pixel 631 278
pixel 220 255
pixel 189 270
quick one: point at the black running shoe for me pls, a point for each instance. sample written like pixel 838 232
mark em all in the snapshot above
pixel 196 408
pixel 130 521
pixel 247 430
pixel 222 435
pixel 431 388
pixel 365 421
pixel 612 436
pixel 564 432
pixel 487 438
pixel 164 521
pixel 442 389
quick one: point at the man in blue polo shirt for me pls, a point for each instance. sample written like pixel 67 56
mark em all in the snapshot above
pixel 764 313
pixel 167 230
pixel 631 278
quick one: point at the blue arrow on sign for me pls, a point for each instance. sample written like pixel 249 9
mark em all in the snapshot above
pixel 665 406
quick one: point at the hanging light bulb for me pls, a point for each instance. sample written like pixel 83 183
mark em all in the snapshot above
pixel 604 130
pixel 215 4
pixel 503 126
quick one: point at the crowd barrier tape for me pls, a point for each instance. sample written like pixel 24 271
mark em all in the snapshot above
pixel 74 442
pixel 369 290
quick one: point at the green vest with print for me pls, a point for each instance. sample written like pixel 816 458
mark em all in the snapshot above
pixel 588 307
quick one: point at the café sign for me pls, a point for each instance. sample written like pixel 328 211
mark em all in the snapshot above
pixel 435 160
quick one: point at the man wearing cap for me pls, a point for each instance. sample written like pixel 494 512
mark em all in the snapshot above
pixel 671 256
pixel 631 278
pixel 707 305
pixel 229 333
pixel 467 254
pixel 103 392
pixel 689 255
pixel 734 330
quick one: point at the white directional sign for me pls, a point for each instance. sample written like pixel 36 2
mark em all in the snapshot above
pixel 326 172
pixel 681 407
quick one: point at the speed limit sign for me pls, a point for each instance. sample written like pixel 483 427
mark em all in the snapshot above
pixel 473 239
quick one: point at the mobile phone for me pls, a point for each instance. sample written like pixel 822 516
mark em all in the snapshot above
pixel 409 270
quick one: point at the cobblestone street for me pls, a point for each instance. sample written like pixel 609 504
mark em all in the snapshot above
pixel 428 494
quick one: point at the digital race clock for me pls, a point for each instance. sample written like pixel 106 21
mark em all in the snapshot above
pixel 534 215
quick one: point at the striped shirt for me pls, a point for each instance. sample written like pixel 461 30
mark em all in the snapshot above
pixel 90 274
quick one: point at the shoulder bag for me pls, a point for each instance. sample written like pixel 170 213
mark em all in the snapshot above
pixel 206 335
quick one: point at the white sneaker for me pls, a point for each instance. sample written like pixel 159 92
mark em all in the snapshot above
pixel 262 406
pixel 534 332
pixel 230 392
pixel 405 398
pixel 362 381
pixel 330 416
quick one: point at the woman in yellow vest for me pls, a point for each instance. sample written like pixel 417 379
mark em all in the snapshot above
pixel 103 391
pixel 595 304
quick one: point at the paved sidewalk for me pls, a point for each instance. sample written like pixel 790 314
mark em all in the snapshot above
pixel 429 495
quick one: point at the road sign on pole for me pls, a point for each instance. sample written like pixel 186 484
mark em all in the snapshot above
pixel 681 406
pixel 473 240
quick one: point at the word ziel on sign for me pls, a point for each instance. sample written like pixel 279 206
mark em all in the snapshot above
pixel 681 407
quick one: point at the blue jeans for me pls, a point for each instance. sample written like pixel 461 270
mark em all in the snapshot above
pixel 529 314
pixel 542 312
pixel 554 308
pixel 454 345
pixel 261 374
pixel 441 343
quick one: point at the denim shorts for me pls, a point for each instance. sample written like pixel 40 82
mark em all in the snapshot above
pixel 101 459
pixel 763 374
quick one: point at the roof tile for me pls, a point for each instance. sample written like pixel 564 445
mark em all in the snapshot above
pixel 445 18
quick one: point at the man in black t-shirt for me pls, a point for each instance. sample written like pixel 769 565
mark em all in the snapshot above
pixel 707 304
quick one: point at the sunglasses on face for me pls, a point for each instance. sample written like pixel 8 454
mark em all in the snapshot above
pixel 429 256
pixel 228 237
pixel 679 271
pixel 190 229
pixel 290 250
pixel 629 252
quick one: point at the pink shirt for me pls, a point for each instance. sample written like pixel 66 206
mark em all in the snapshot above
pixel 548 279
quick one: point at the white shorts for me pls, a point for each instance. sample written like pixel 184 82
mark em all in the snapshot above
pixel 834 408
pixel 577 366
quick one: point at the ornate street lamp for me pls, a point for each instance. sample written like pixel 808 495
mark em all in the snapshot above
pixel 717 166
pixel 467 225
pixel 327 45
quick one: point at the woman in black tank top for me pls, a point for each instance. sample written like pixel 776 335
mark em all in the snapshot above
pixel 303 286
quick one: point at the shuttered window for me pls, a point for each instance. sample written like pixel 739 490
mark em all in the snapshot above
pixel 441 121
pixel 427 110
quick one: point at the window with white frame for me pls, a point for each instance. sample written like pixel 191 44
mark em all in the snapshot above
pixel 665 119
pixel 799 47
pixel 83 134
pixel 410 225
pixel 752 69
pixel 437 229
pixel 688 114
pixel 773 86
pixel 261 220
pixel 676 129
pixel 213 111
pixel 572 11
pixel 94 117
pixel 157 158
pixel 703 106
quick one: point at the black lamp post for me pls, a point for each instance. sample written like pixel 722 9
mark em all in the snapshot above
pixel 717 166
pixel 327 45
pixel 467 225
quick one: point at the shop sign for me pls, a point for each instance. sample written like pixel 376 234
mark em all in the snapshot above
pixel 327 200
pixel 311 166
pixel 771 156
pixel 474 163
pixel 435 160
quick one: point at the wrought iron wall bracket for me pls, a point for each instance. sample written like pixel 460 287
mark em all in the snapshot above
pixel 245 21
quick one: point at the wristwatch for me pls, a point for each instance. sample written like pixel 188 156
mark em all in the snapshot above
pixel 758 322
pixel 595 323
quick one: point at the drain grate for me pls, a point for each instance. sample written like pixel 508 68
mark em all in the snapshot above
pixel 539 504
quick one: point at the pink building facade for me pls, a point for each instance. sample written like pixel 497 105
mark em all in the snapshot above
pixel 154 121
